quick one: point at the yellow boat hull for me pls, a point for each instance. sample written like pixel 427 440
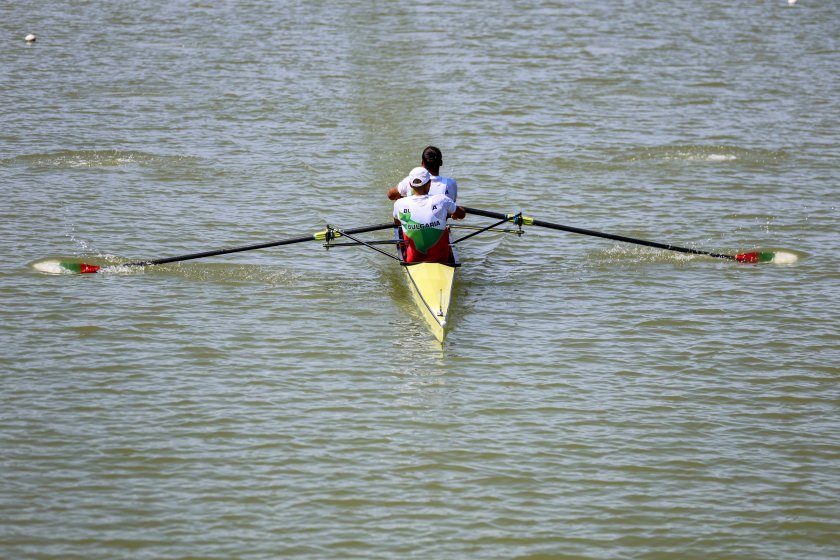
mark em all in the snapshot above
pixel 431 286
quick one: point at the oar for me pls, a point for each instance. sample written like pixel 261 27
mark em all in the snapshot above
pixel 84 268
pixel 752 257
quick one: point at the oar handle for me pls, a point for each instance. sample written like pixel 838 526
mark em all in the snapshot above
pixel 532 222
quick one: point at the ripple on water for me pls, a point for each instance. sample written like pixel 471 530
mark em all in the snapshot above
pixel 70 159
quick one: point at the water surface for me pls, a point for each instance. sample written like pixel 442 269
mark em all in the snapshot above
pixel 592 400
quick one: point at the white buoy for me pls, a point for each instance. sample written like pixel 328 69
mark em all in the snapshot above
pixel 31 38
pixel 791 2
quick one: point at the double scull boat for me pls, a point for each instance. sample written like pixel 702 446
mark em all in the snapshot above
pixel 430 283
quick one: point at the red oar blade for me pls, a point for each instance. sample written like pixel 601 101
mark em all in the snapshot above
pixel 754 257
pixel 87 268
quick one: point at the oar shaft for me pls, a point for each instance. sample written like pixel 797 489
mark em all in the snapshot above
pixel 222 251
pixel 549 225
pixel 301 239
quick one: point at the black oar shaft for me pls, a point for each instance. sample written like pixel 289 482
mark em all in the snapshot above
pixel 301 239
pixel 540 223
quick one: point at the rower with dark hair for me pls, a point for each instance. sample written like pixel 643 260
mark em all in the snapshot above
pixel 431 160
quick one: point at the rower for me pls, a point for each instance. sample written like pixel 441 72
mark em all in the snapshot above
pixel 431 160
pixel 422 217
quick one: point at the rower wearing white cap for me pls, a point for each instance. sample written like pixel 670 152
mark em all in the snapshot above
pixel 431 160
pixel 422 217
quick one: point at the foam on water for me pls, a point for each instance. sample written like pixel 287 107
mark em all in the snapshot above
pixel 95 159
pixel 619 253
pixel 703 153
pixel 269 276
pixel 120 269
pixel 721 157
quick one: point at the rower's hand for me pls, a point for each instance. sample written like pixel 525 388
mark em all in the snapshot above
pixel 459 213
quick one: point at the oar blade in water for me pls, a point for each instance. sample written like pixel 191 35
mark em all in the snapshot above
pixel 65 267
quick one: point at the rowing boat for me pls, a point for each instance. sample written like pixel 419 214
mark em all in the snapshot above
pixel 430 282
pixel 431 285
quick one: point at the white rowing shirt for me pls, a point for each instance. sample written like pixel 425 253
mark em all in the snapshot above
pixel 423 218
pixel 440 185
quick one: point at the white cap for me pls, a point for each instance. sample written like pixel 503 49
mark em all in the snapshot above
pixel 418 177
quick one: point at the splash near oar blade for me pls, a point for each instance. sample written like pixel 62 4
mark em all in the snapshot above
pixel 68 267
pixel 776 257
